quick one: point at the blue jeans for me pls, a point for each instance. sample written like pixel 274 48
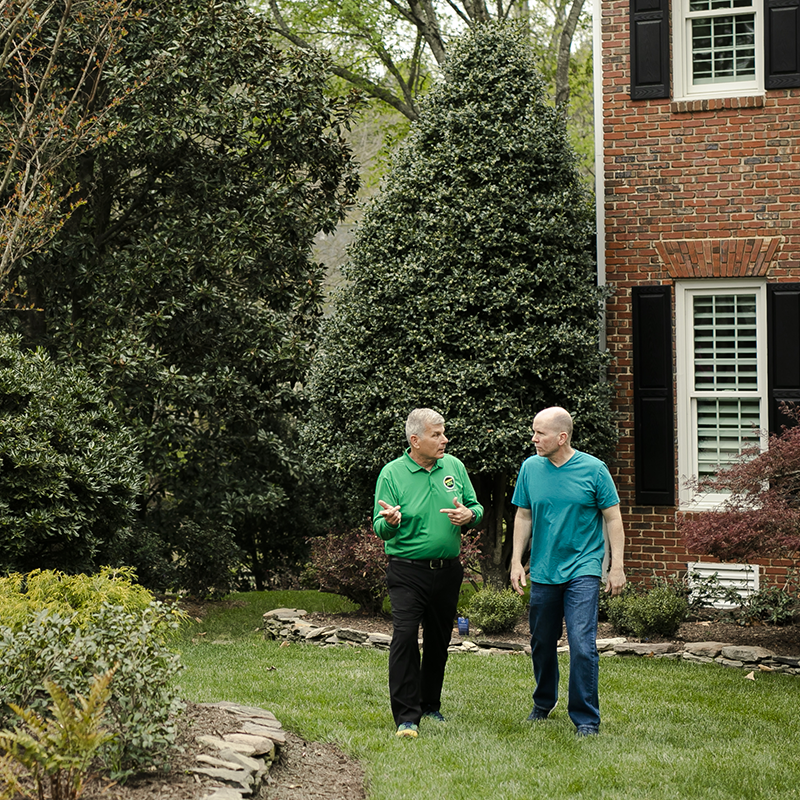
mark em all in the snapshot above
pixel 575 603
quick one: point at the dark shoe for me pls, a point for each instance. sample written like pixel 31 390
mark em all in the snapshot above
pixel 539 714
pixel 434 715
pixel 586 730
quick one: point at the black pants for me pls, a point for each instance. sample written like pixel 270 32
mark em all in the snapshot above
pixel 428 596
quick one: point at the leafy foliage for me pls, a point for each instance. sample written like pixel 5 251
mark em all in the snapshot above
pixel 495 611
pixel 51 111
pixel 657 612
pixel 760 516
pixel 70 467
pixel 351 564
pixel 57 751
pixel 68 646
pixel 184 282
pixel 470 290
pixel 23 596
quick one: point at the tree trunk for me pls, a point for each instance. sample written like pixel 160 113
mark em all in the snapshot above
pixel 564 48
pixel 496 539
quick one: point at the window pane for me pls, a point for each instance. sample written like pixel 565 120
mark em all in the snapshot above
pixel 723 48
pixel 724 429
pixel 725 351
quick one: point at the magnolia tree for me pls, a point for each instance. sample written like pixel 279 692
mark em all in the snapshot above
pixel 761 516
pixel 470 289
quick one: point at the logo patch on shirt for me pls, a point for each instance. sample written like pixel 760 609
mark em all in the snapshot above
pixel 449 482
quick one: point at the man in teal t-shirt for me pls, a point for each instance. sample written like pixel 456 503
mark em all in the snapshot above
pixel 563 497
pixel 422 500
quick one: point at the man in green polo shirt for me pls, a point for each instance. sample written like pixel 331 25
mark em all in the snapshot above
pixel 422 500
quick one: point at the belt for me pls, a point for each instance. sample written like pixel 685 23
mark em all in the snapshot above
pixel 426 563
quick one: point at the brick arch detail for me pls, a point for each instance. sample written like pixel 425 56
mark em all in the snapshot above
pixel 743 257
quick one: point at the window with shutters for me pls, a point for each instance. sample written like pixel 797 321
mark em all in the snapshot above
pixel 722 377
pixel 718 47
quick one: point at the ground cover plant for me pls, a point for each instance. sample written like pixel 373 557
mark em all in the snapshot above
pixel 670 729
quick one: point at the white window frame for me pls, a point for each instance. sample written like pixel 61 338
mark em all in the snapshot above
pixel 682 56
pixel 685 291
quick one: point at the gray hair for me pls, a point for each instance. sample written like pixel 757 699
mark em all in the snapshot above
pixel 419 420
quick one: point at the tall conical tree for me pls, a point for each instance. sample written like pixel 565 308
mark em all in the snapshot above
pixel 470 289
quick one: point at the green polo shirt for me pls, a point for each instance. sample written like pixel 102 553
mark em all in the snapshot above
pixel 424 531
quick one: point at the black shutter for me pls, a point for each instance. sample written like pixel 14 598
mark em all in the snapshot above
pixel 649 23
pixel 782 43
pixel 783 350
pixel 653 422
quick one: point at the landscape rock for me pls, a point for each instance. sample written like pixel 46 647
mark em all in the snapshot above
pixel 707 649
pixel 746 654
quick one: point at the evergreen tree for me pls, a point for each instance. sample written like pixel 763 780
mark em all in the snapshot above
pixel 471 290
pixel 184 281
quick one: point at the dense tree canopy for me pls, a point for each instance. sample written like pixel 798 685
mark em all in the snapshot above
pixel 183 282
pixel 471 289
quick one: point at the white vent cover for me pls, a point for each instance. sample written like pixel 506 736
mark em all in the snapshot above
pixel 741 577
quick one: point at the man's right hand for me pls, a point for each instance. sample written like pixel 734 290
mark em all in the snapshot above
pixel 391 514
pixel 518 582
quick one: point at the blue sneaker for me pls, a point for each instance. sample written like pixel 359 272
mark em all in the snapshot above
pixel 407 729
pixel 583 731
pixel 434 715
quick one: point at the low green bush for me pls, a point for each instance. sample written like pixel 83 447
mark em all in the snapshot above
pixel 71 641
pixel 658 612
pixel 495 611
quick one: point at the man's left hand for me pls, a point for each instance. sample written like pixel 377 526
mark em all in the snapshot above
pixel 616 581
pixel 460 515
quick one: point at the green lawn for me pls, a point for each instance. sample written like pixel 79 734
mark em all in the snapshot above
pixel 670 729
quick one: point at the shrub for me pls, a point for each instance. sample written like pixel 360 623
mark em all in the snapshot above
pixel 495 611
pixel 71 468
pixel 76 596
pixel 68 645
pixel 352 564
pixel 775 605
pixel 658 612
pixel 57 751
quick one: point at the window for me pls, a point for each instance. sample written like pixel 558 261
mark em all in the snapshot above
pixel 722 382
pixel 721 48
pixel 718 47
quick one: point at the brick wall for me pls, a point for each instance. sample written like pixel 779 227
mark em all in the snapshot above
pixel 680 177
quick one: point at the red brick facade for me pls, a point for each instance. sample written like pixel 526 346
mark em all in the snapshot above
pixel 701 188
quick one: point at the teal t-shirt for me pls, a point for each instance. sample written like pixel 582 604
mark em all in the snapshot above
pixel 567 524
pixel 424 531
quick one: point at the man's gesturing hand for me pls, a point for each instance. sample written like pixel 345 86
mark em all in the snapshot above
pixel 460 515
pixel 391 514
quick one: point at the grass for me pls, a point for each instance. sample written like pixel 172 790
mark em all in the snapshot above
pixel 670 729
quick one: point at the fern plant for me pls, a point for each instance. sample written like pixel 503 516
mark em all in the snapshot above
pixel 56 751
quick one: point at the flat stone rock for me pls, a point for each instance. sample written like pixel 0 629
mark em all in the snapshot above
pixel 318 633
pixel 221 744
pixel 499 645
pixel 789 661
pixel 351 635
pixel 245 711
pixel 707 649
pixel 224 793
pixel 257 765
pixel 746 653
pixel 262 745
pixel 609 644
pixel 262 731
pixel 379 639
pixel 236 778
pixel 284 614
pixel 646 648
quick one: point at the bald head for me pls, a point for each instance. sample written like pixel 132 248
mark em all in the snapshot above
pixel 555 420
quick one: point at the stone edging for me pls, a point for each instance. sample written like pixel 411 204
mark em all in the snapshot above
pixel 287 625
pixel 239 762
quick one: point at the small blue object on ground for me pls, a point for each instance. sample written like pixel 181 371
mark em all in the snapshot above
pixel 586 730
pixel 435 715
